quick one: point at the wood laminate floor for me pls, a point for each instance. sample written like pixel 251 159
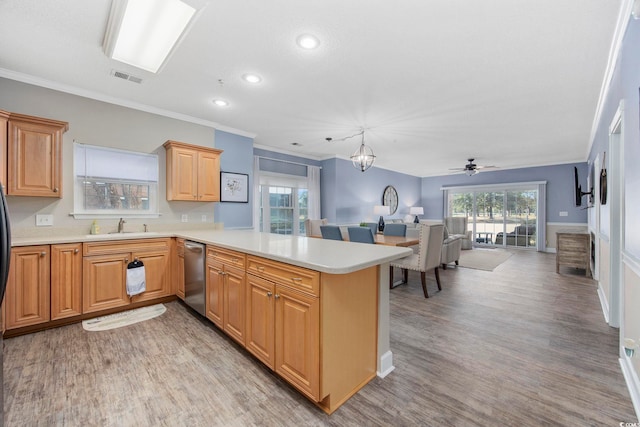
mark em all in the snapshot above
pixel 519 346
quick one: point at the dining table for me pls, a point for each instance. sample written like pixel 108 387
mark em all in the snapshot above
pixel 381 239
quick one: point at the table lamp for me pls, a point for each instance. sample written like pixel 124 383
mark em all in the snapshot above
pixel 381 210
pixel 417 210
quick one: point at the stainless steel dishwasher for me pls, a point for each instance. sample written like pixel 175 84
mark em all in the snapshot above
pixel 194 275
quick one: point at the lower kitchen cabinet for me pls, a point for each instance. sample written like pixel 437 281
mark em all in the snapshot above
pixel 104 282
pixel 66 280
pixel 298 339
pixel 225 292
pixel 283 331
pixel 179 268
pixel 105 272
pixel 26 298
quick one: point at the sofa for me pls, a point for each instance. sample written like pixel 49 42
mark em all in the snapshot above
pixel 522 235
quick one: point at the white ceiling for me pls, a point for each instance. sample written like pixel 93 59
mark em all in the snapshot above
pixel 511 83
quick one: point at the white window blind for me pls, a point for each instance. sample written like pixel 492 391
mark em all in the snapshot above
pixel 101 162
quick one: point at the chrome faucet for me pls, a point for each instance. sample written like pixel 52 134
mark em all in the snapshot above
pixel 121 225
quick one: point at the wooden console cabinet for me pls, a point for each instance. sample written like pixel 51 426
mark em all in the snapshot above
pixel 572 250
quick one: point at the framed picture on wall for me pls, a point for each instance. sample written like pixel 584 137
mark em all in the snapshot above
pixel 234 187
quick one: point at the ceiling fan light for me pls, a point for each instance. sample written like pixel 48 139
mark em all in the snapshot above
pixel 471 172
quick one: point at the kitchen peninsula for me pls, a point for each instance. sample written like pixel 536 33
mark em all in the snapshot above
pixel 315 311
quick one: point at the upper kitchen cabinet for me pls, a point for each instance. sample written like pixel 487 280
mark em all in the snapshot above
pixel 34 156
pixel 4 123
pixel 193 172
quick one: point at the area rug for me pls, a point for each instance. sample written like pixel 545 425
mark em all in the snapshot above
pixel 483 259
pixel 125 318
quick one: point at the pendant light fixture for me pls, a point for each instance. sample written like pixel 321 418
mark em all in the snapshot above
pixel 363 157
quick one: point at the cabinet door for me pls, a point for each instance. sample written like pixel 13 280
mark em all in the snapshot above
pixel 157 273
pixel 208 177
pixel 179 269
pixel 4 125
pixel 34 157
pixel 183 172
pixel 215 290
pixel 234 303
pixel 104 282
pixel 260 325
pixel 66 280
pixel 297 340
pixel 27 292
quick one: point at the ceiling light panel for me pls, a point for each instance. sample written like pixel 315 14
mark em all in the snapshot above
pixel 143 33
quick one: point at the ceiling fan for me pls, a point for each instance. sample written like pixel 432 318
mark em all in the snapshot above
pixel 471 168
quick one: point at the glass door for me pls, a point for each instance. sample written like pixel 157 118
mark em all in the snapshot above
pixel 489 217
pixel 520 219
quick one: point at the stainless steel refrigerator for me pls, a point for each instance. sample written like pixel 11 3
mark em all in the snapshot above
pixel 5 258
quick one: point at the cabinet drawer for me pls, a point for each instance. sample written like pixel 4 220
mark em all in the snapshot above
pixel 226 256
pixel 123 246
pixel 296 277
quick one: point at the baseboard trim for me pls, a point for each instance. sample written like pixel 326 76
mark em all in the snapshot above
pixel 603 303
pixel 386 364
pixel 633 384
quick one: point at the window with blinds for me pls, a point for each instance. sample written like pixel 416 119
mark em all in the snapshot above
pixel 110 182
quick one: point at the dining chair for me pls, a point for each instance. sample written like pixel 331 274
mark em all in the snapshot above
pixel 393 229
pixel 361 235
pixel 312 226
pixel 373 226
pixel 331 232
pixel 427 258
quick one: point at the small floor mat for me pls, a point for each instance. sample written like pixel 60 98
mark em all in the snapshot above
pixel 124 318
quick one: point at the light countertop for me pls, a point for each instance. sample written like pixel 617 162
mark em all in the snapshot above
pixel 327 256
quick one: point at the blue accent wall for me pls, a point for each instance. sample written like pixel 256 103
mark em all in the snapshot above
pixel 348 195
pixel 559 189
pixel 237 157
pixel 625 86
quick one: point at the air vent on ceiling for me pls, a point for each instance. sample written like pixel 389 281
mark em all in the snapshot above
pixel 126 76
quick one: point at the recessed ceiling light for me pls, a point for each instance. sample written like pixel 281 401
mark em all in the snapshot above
pixel 307 41
pixel 221 102
pixel 251 78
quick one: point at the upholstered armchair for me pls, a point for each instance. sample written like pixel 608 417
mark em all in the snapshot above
pixel 312 226
pixel 457 225
pixel 451 248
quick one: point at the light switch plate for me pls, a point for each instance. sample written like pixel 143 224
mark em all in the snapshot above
pixel 185 218
pixel 204 218
pixel 564 213
pixel 44 220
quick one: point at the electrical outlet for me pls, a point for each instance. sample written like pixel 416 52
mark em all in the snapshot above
pixel 564 213
pixel 44 220
pixel 185 218
pixel 204 218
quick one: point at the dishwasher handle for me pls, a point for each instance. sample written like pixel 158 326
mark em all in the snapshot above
pixel 193 248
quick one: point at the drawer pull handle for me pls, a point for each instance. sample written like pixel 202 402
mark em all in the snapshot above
pixel 235 260
pixel 260 268
pixel 269 294
pixel 277 296
pixel 297 279
pixel 220 272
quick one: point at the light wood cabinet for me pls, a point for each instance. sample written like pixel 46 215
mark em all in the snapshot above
pixel 193 172
pixel 66 280
pixel 260 324
pixel 4 123
pixel 572 250
pixel 105 272
pixel 34 156
pixel 226 282
pixel 179 268
pixel 27 293
pixel 283 321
